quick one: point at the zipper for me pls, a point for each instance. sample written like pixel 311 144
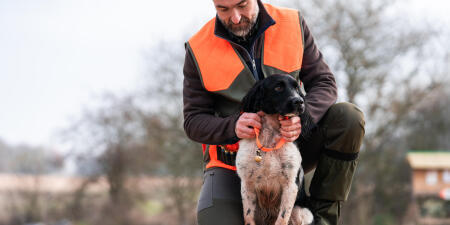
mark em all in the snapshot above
pixel 252 57
pixel 249 55
pixel 254 67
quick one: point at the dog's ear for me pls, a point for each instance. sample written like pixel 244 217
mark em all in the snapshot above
pixel 307 123
pixel 308 126
pixel 252 102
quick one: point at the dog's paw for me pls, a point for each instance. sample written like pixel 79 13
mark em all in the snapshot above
pixel 301 216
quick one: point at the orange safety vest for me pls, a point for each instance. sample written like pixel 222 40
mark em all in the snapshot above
pixel 224 72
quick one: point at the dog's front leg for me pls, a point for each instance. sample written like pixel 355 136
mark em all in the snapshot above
pixel 287 203
pixel 248 202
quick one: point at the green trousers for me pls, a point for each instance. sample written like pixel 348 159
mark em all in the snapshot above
pixel 332 150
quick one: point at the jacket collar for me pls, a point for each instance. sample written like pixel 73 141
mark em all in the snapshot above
pixel 264 21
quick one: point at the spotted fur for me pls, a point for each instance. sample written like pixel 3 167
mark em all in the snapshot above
pixel 269 187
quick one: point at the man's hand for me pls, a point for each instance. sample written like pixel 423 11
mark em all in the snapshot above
pixel 290 128
pixel 245 124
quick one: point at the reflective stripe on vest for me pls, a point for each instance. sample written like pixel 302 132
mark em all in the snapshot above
pixel 220 65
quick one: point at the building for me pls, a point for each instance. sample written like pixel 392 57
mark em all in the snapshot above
pixel 431 185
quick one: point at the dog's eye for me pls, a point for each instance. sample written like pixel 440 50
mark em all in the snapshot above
pixel 278 88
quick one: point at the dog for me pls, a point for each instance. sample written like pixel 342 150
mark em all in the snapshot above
pixel 270 180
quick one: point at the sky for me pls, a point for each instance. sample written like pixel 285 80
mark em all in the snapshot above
pixel 56 56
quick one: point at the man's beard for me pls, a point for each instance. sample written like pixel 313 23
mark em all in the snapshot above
pixel 245 26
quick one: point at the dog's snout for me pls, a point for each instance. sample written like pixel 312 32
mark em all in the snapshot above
pixel 296 102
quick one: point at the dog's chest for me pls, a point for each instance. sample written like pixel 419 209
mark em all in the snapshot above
pixel 280 165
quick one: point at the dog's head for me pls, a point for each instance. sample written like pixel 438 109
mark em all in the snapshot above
pixel 276 94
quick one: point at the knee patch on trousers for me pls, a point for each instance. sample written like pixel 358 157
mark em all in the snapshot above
pixel 343 127
pixel 349 113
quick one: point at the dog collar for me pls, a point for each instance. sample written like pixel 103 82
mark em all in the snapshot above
pixel 280 143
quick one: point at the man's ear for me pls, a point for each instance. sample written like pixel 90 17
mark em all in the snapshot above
pixel 252 102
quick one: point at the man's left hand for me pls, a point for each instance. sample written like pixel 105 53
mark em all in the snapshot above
pixel 290 128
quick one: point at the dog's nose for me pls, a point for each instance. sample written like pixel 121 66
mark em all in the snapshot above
pixel 296 102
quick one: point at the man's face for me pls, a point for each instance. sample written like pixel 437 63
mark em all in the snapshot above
pixel 238 16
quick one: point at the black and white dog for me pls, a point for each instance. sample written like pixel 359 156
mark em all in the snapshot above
pixel 268 178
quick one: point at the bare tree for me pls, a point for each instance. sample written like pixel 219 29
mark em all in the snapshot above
pixel 24 159
pixel 378 59
pixel 182 156
pixel 429 128
pixel 141 134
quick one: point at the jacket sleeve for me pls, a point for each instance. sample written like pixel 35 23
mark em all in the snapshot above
pixel 319 82
pixel 200 122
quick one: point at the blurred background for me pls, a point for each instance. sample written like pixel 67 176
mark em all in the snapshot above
pixel 91 108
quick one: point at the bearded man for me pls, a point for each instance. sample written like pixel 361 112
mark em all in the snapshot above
pixel 246 42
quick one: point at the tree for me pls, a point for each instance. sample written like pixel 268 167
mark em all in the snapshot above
pixel 142 134
pixel 429 127
pixel 378 60
pixel 24 159
pixel 183 157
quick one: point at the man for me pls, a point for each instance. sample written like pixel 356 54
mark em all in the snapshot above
pixel 245 42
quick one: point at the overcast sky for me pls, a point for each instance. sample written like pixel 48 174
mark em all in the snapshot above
pixel 56 55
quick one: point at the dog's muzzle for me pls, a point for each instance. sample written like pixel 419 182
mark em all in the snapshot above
pixel 294 106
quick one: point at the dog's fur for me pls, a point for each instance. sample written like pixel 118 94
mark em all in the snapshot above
pixel 269 187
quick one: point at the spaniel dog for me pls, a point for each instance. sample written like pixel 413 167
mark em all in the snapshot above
pixel 270 170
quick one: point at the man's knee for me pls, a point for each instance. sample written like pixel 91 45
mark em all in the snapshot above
pixel 345 127
pixel 350 116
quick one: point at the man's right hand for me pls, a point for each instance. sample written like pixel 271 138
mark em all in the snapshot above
pixel 245 125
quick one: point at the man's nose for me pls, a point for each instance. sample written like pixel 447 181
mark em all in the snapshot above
pixel 235 17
